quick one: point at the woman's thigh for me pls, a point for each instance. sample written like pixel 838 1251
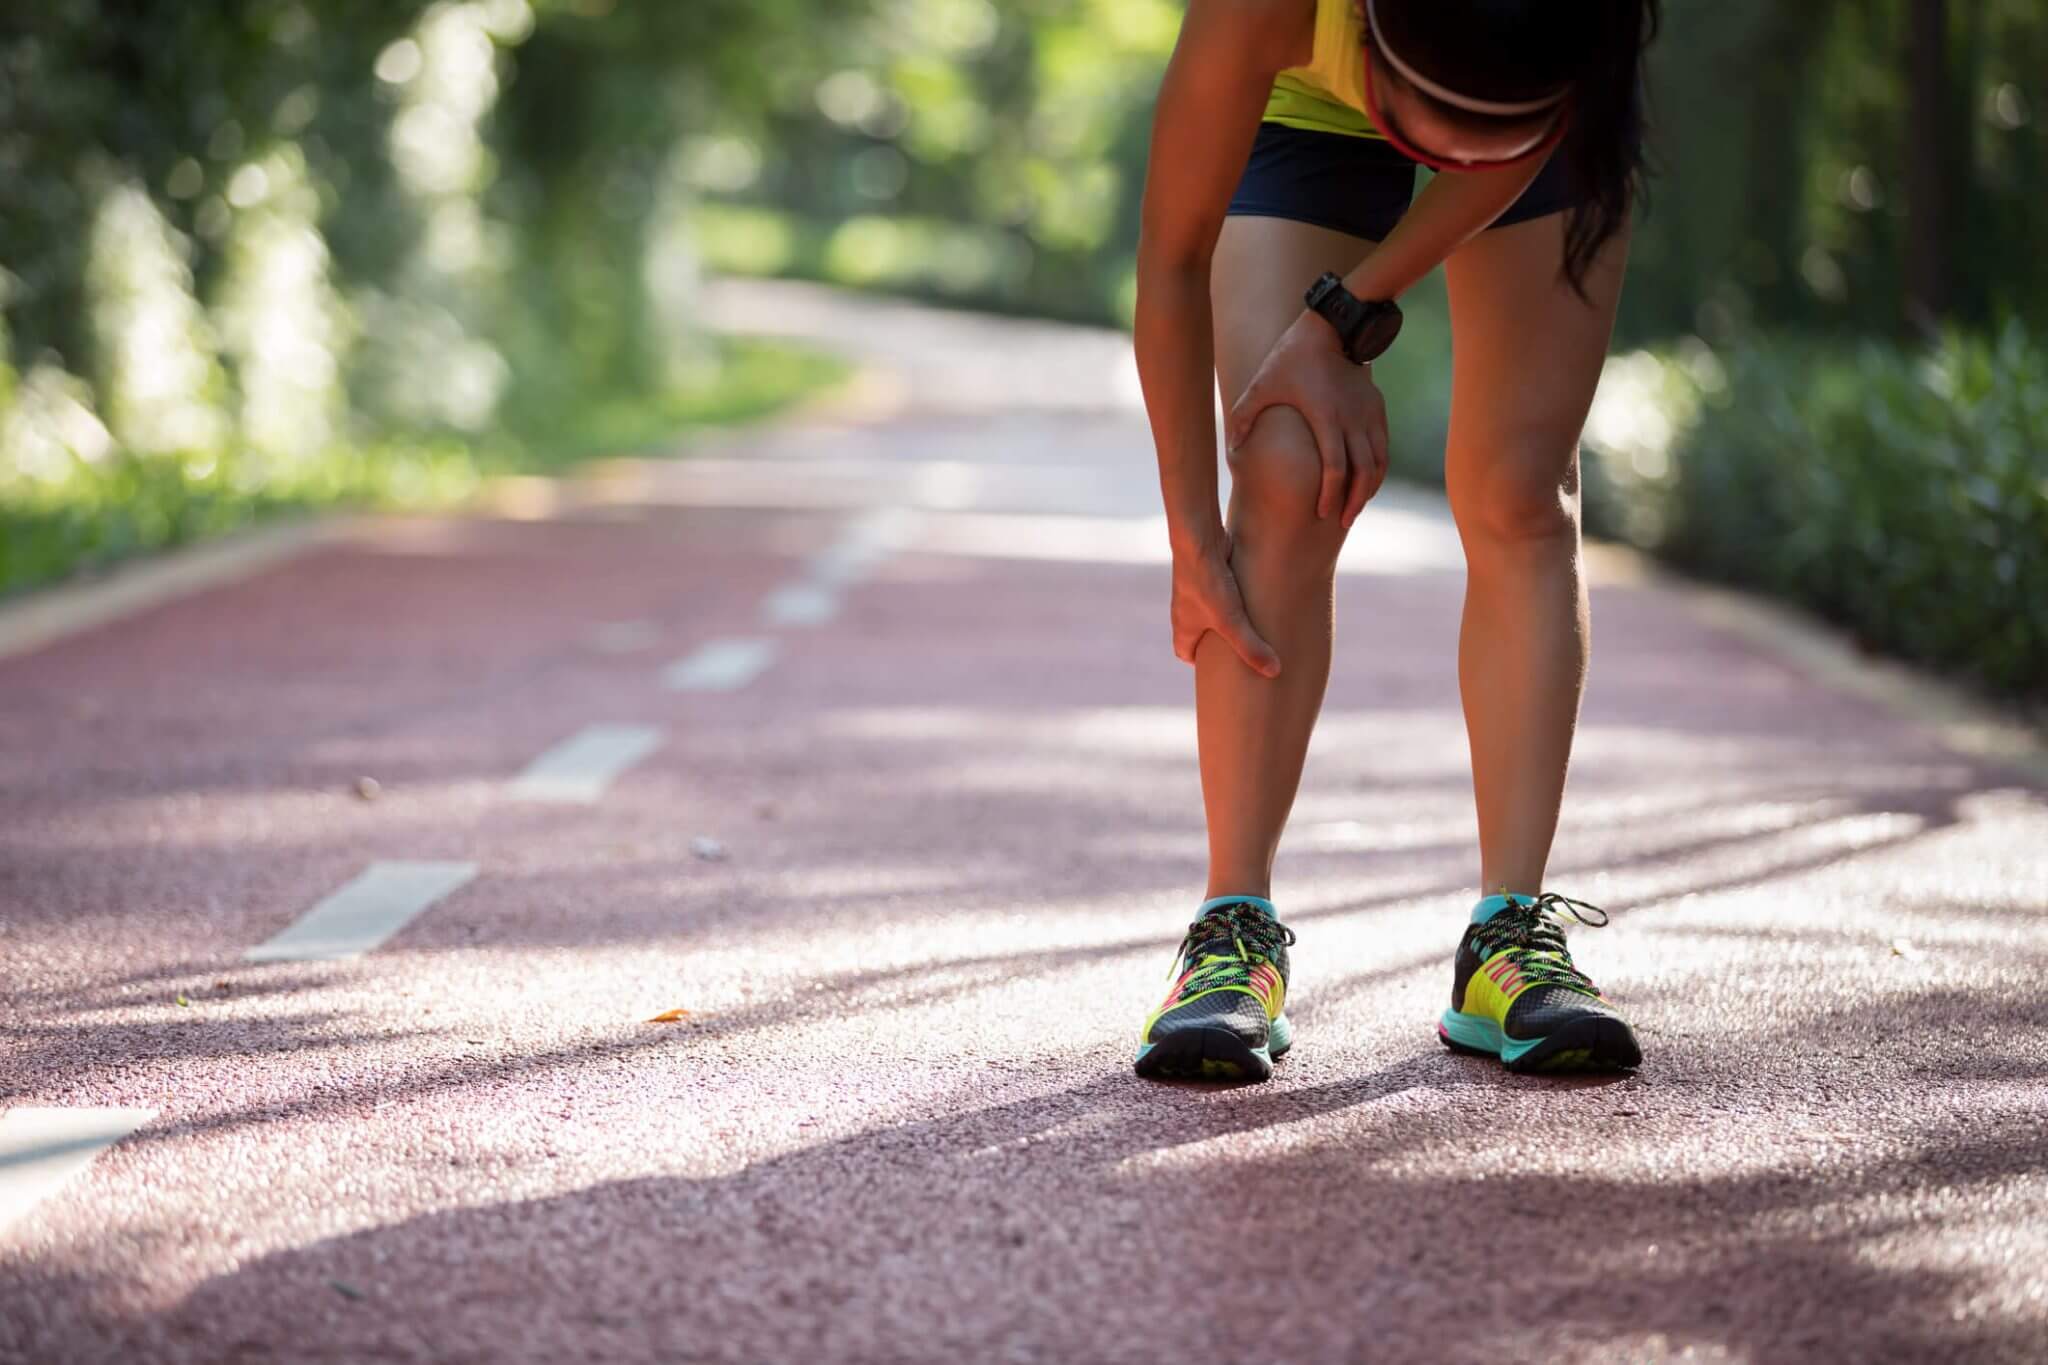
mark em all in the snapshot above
pixel 1261 269
pixel 1526 353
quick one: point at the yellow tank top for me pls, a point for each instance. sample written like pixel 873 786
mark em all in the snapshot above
pixel 1327 95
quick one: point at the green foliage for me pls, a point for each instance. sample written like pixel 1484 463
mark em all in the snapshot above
pixel 1010 136
pixel 928 258
pixel 88 513
pixel 1903 493
pixel 1783 134
pixel 311 252
pixel 745 378
pixel 127 504
pixel 308 250
pixel 175 97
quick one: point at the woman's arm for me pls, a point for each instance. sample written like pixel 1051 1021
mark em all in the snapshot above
pixel 1453 208
pixel 1210 103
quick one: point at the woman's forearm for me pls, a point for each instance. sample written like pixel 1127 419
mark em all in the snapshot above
pixel 1176 360
pixel 1452 209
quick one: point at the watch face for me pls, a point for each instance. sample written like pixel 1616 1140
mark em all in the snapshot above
pixel 1382 325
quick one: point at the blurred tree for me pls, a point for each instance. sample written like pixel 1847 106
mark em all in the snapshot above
pixel 1013 131
pixel 1826 166
pixel 588 132
pixel 177 97
pixel 1930 154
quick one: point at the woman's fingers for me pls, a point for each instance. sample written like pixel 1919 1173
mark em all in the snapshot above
pixel 1383 452
pixel 1251 646
pixel 1364 483
pixel 1239 634
pixel 1216 605
pixel 1256 398
pixel 1368 446
pixel 1330 446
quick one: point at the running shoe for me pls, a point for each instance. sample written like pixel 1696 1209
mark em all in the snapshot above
pixel 1515 994
pixel 1222 1020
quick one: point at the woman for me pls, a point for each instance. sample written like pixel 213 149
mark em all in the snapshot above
pixel 1284 146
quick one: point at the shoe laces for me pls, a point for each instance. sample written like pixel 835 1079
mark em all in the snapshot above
pixel 1231 937
pixel 1536 927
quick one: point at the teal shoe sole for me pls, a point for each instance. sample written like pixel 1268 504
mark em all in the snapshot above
pixel 1596 1042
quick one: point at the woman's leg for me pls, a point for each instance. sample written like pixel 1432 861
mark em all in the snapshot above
pixel 1254 731
pixel 1526 357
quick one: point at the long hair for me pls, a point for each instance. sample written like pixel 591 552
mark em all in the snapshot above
pixel 1510 50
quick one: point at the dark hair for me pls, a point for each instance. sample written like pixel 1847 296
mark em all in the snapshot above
pixel 1513 50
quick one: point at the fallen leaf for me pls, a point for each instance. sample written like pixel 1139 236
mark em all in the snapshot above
pixel 183 1003
pixel 669 1017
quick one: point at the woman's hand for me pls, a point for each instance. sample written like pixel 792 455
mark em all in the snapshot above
pixel 1206 598
pixel 1308 371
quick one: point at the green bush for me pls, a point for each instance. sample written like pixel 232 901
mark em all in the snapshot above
pixel 81 511
pixel 1903 493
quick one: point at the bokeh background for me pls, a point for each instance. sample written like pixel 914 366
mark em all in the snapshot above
pixel 271 255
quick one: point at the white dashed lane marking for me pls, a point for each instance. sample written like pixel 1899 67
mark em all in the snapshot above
pixel 364 913
pixel 624 637
pixel 800 604
pixel 40 1149
pixel 720 666
pixel 861 544
pixel 867 540
pixel 579 768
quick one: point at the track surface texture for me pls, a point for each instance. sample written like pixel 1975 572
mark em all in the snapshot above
pixel 958 835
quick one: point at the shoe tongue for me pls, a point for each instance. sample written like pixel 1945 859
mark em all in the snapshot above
pixel 1220 943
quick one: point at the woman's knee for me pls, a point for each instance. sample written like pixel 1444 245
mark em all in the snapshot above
pixel 1276 474
pixel 1516 492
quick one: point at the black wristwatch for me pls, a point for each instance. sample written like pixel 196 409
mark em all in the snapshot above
pixel 1366 327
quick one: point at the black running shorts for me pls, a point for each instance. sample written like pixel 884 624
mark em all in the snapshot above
pixel 1359 185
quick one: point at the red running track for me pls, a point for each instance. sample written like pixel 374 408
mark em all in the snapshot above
pixel 961 834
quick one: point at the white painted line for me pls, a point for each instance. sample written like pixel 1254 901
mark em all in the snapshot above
pixel 861 544
pixel 624 637
pixel 40 1149
pixel 579 768
pixel 800 604
pixel 866 541
pixel 720 666
pixel 361 915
